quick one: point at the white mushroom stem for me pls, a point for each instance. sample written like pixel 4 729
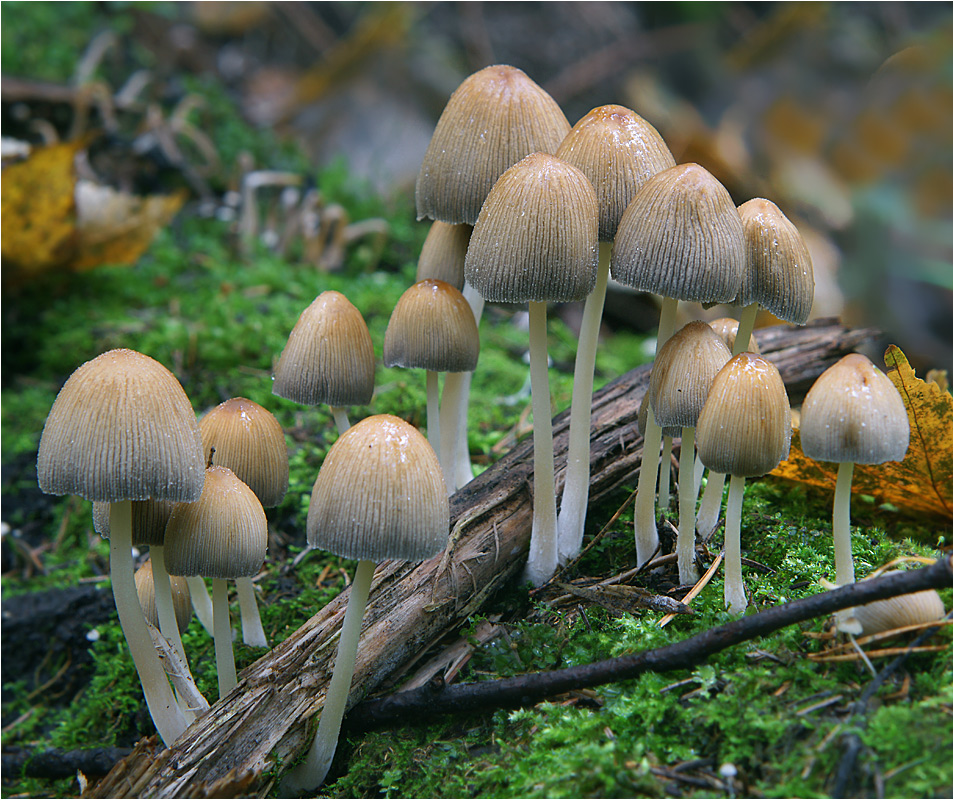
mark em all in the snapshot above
pixel 542 562
pixel 201 602
pixel 746 326
pixel 252 631
pixel 451 403
pixel 311 773
pixel 734 589
pixel 222 635
pixel 841 517
pixel 576 487
pixel 662 498
pixel 711 505
pixel 463 469
pixel 699 469
pixel 165 712
pixel 433 417
pixel 686 540
pixel 164 608
pixel 341 419
pixel 647 540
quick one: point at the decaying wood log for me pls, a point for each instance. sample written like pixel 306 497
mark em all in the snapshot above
pixel 268 718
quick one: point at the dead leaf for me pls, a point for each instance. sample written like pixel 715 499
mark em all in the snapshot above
pixel 918 486
pixel 626 598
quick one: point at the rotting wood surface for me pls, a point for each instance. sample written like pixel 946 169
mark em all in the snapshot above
pixel 269 716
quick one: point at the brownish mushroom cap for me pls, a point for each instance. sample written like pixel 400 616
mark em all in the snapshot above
pixel 149 518
pixel 727 329
pixel 181 600
pixel 443 252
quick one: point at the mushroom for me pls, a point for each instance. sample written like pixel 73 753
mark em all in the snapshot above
pixel 681 237
pixel 900 611
pixel 744 430
pixel 442 256
pixel 329 358
pixel 181 602
pixel 618 151
pixel 122 429
pixel 853 414
pixel 379 494
pixel 222 535
pixel 245 437
pixel 536 241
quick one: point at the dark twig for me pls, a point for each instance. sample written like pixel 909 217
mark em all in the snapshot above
pixel 55 764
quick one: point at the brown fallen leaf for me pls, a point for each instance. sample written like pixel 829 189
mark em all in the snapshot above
pixel 920 485
pixel 626 598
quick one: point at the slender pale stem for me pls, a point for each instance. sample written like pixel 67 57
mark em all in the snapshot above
pixel 686 540
pixel 252 631
pixel 168 624
pixel 341 419
pixel 841 527
pixel 463 469
pixel 576 486
pixel 451 397
pixel 698 470
pixel 746 326
pixel 222 628
pixel 201 602
pixel 734 589
pixel 165 712
pixel 665 471
pixel 542 562
pixel 711 505
pixel 434 417
pixel 311 773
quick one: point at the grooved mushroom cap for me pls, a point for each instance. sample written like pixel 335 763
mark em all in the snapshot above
pixel 670 430
pixel 778 273
pixel 245 437
pixel 181 598
pixel 223 534
pixel 745 427
pixel 618 151
pixel 380 494
pixel 915 608
pixel 149 518
pixel 494 118
pixel 681 237
pixel 727 329
pixel 432 327
pixel 536 237
pixel 682 373
pixel 121 428
pixel 854 413
pixel 329 356
pixel 442 256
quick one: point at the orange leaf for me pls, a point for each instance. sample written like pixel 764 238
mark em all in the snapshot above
pixel 921 484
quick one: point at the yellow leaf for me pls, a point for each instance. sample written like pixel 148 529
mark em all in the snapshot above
pixel 918 486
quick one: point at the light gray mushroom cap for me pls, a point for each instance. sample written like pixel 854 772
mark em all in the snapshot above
pixel 149 518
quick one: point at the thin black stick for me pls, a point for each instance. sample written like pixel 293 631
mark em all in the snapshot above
pixel 525 690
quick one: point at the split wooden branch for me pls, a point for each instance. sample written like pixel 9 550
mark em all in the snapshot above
pixel 268 718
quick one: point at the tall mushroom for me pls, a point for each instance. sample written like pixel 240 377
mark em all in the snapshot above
pixel 122 429
pixel 379 494
pixel 536 242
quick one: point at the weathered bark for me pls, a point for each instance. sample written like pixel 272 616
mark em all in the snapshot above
pixel 270 714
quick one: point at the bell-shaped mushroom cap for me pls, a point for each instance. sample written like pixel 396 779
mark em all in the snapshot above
pixel 181 599
pixel 222 535
pixel 745 427
pixel 727 328
pixel 121 428
pixel 899 612
pixel 681 237
pixel 682 373
pixel 854 413
pixel 536 237
pixel 495 117
pixel 618 151
pixel 432 327
pixel 442 256
pixel 778 273
pixel 245 437
pixel 671 430
pixel 380 494
pixel 329 356
pixel 149 518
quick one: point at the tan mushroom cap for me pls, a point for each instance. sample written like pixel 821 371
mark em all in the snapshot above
pixel 745 427
pixel 442 256
pixel 181 598
pixel 618 151
pixel 683 372
pixel 778 274
pixel 432 327
pixel 121 428
pixel 494 118
pixel 329 356
pixel 380 494
pixel 245 437
pixel 853 412
pixel 671 431
pixel 727 329
pixel 536 237
pixel 899 612
pixel 149 518
pixel 681 237
pixel 222 535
